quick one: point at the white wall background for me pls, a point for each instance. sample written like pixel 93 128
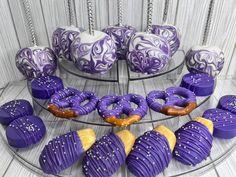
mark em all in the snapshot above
pixel 188 15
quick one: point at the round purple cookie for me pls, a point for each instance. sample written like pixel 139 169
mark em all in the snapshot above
pixel 105 157
pixel 201 84
pixel 44 87
pixel 13 110
pixel 170 33
pixel 194 142
pixel 205 59
pixel 150 155
pixel 93 53
pixel 148 53
pixel 36 61
pixel 228 103
pixel 25 131
pixel 60 153
pixel 172 96
pixel 224 122
pixel 121 36
pixel 61 40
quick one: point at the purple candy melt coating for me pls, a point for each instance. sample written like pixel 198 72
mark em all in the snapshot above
pixel 36 61
pixel 61 152
pixel 224 122
pixel 228 103
pixel 122 105
pixel 194 142
pixel 105 157
pixel 170 96
pixel 170 33
pixel 121 36
pixel 44 87
pixel 13 110
pixel 148 53
pixel 150 155
pixel 25 131
pixel 73 98
pixel 201 84
pixel 62 39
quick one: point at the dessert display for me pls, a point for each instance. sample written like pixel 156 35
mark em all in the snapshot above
pixel 44 87
pixel 121 34
pixel 194 141
pixel 66 103
pixel 178 101
pixel 224 122
pixel 122 106
pixel 205 59
pixel 200 83
pixel 170 33
pixel 15 109
pixel 93 51
pixel 228 103
pixel 107 154
pixel 25 131
pixel 152 152
pixel 62 39
pixel 65 150
pixel 148 53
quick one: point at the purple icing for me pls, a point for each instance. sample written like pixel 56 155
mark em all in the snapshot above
pixel 228 103
pixel 36 61
pixel 203 59
pixel 13 110
pixel 224 122
pixel 62 39
pixel 73 98
pixel 201 84
pixel 122 105
pixel 121 36
pixel 194 142
pixel 93 57
pixel 148 53
pixel 44 87
pixel 173 96
pixel 170 33
pixel 105 157
pixel 60 153
pixel 25 131
pixel 150 155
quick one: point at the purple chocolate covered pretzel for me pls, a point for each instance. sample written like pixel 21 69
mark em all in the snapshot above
pixel 44 87
pixel 228 103
pixel 173 97
pixel 122 105
pixel 194 142
pixel 224 122
pixel 14 109
pixel 201 84
pixel 72 98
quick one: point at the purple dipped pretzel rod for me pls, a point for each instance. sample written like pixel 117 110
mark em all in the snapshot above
pixel 122 105
pixel 173 97
pixel 72 98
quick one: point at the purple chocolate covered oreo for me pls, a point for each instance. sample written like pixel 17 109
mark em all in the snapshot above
pixel 228 103
pixel 150 155
pixel 44 87
pixel 194 142
pixel 224 122
pixel 25 131
pixel 60 153
pixel 13 110
pixel 105 157
pixel 121 36
pixel 201 84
